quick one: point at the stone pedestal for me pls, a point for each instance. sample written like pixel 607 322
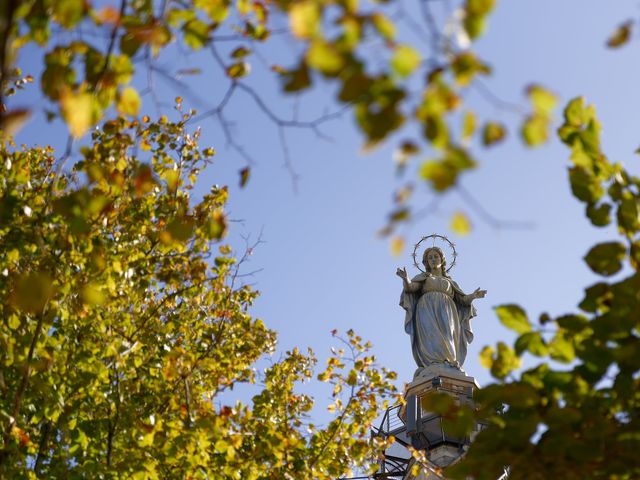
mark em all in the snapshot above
pixel 424 428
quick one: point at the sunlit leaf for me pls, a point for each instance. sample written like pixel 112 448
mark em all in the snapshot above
pixel 535 130
pixel 561 349
pixel 505 361
pixel 531 342
pixel 543 101
pixel 514 318
pixel 468 125
pixel 384 25
pixel 79 111
pixel 304 19
pixel 397 246
pixel 129 102
pixel 486 356
pixel 68 12
pixel 324 57
pixel 460 224
pixel 405 60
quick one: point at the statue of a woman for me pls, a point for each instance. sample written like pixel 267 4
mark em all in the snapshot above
pixel 438 313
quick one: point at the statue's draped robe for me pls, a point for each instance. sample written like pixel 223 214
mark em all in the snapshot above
pixel 437 319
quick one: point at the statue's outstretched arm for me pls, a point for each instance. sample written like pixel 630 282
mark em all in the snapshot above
pixel 408 285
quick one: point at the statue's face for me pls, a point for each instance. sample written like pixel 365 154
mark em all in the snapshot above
pixel 434 260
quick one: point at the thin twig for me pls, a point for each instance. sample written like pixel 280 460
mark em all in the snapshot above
pixel 496 101
pixel 112 44
pixel 287 159
pixel 489 218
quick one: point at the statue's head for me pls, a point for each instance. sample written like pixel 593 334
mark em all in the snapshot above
pixel 433 258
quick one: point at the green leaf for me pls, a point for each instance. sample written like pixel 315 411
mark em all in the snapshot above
pixel 606 258
pixel 585 186
pixel 574 323
pixel 531 342
pixel 436 131
pixel 437 402
pixel 461 423
pixel 216 225
pixel 505 361
pixel 196 34
pixel 629 215
pixel 513 317
pixel 405 60
pixel 441 175
pixel 68 12
pixel 599 215
pixel 561 349
pixel 595 296
pixel 577 113
pixel 465 66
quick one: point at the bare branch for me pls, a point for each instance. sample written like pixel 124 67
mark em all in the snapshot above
pixel 487 217
pixel 112 44
pixel 496 101
pixel 287 159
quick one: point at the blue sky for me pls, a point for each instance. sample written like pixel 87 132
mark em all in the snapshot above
pixel 322 265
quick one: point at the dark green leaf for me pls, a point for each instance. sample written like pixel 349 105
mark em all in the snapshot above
pixel 606 258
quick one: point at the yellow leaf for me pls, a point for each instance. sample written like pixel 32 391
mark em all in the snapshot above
pixel 33 291
pixel 468 125
pixel 129 102
pixel 12 121
pixel 542 100
pixel 324 57
pixel 78 111
pixel 384 25
pixel 92 295
pixel 304 19
pixel 486 357
pixel 397 245
pixel 405 60
pixel 460 224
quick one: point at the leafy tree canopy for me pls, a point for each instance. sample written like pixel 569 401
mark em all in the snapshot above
pixel 122 318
